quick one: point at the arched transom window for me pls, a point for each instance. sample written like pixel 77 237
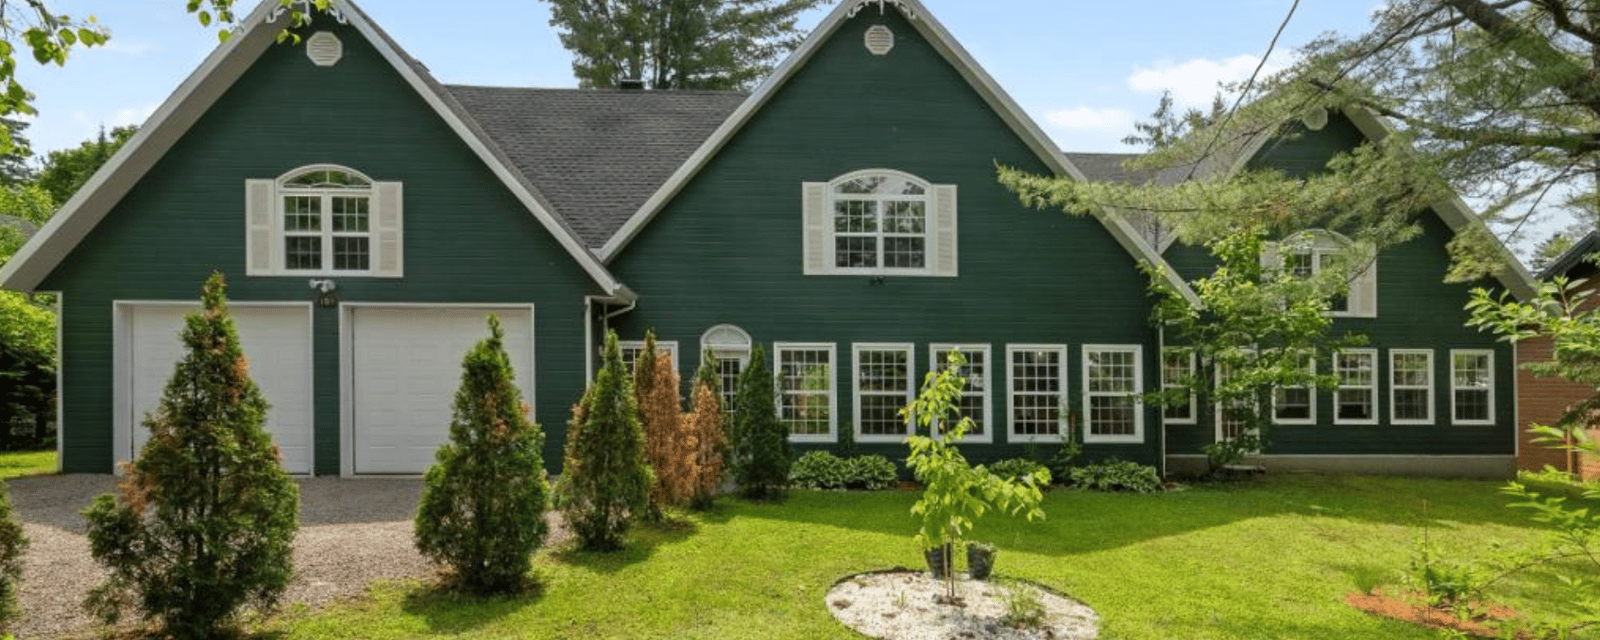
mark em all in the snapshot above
pixel 324 220
pixel 880 222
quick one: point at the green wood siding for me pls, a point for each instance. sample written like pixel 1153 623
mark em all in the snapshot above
pixel 467 239
pixel 727 249
pixel 1416 310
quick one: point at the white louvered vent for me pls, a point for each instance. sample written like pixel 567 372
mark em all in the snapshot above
pixel 879 40
pixel 324 48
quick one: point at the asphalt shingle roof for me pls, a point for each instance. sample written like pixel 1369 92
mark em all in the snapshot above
pixel 596 154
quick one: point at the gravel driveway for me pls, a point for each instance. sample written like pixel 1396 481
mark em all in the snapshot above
pixel 351 533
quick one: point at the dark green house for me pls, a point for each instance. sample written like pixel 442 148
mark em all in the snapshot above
pixel 844 217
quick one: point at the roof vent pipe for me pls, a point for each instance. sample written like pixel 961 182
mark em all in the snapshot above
pixel 630 84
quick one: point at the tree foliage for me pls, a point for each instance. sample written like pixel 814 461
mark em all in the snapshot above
pixel 1255 333
pixel 670 447
pixel 760 443
pixel 677 44
pixel 483 502
pixel 66 170
pixel 955 494
pixel 705 423
pixel 12 544
pixel 205 517
pixel 605 481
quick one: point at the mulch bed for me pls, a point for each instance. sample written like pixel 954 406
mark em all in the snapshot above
pixel 1413 607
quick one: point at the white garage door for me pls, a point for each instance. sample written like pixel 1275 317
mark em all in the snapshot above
pixel 277 342
pixel 405 366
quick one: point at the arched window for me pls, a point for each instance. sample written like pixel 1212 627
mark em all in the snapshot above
pixel 323 220
pixel 1311 252
pixel 728 347
pixel 879 222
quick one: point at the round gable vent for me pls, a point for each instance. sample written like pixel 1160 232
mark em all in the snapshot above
pixel 879 40
pixel 324 48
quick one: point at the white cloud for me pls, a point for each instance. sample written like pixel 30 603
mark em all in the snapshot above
pixel 134 116
pixel 1194 82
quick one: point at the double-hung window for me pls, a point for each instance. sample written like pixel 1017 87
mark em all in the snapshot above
pixel 974 402
pixel 1311 253
pixel 1411 386
pixel 1177 374
pixel 1038 391
pixel 1297 404
pixel 323 220
pixel 632 349
pixel 806 389
pixel 879 222
pixel 1471 386
pixel 1235 414
pixel 728 349
pixel 1112 382
pixel 883 385
pixel 1355 401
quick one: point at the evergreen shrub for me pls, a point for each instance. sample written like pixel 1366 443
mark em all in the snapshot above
pixel 483 502
pixel 760 440
pixel 605 482
pixel 205 518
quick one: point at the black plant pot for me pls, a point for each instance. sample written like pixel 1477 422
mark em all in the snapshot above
pixel 936 561
pixel 980 561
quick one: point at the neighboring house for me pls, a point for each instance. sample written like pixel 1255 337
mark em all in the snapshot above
pixel 1544 400
pixel 844 217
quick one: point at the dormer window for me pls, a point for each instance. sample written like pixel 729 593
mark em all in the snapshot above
pixel 323 220
pixel 1311 253
pixel 879 222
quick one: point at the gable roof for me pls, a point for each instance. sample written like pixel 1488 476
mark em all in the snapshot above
pixel 226 64
pixel 945 44
pixel 596 154
pixel 1574 262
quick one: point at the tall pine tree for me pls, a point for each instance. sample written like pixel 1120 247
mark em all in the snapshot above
pixel 677 44
pixel 483 503
pixel 206 517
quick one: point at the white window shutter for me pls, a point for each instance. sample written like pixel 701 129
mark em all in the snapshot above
pixel 945 260
pixel 388 224
pixel 814 240
pixel 259 258
pixel 1269 256
pixel 1364 292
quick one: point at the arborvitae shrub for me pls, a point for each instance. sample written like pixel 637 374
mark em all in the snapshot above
pixel 605 482
pixel 705 424
pixel 12 544
pixel 761 445
pixel 483 502
pixel 668 448
pixel 205 519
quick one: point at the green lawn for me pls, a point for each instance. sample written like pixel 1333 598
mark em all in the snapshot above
pixel 15 464
pixel 1266 559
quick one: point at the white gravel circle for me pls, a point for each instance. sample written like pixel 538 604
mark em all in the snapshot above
pixel 899 605
pixel 352 532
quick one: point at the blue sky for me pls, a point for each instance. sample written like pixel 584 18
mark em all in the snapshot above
pixel 1085 70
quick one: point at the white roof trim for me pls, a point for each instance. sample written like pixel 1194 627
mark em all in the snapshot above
pixel 1455 212
pixel 946 45
pixel 196 95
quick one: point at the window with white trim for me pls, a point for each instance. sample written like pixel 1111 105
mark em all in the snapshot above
pixel 879 222
pixel 1112 382
pixel 974 401
pixel 323 220
pixel 728 348
pixel 883 385
pixel 805 389
pixel 1310 253
pixel 1355 400
pixel 1038 391
pixel 1472 386
pixel 632 348
pixel 1296 404
pixel 1178 368
pixel 1233 415
pixel 1411 386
